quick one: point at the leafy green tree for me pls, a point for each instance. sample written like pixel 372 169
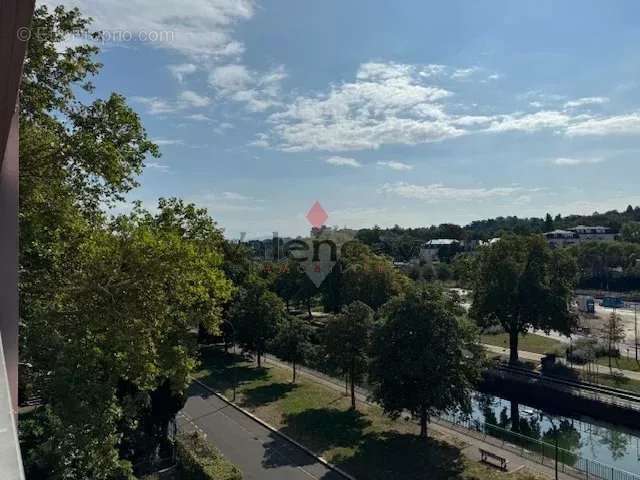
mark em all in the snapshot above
pixel 549 224
pixel 361 275
pixel 346 342
pixel 631 232
pixel 107 306
pixel 119 352
pixel 521 284
pixel 256 314
pixel 292 342
pixel 426 358
pixel 287 284
pixel 611 334
pixel 463 267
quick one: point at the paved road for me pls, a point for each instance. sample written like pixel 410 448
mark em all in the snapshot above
pixel 257 451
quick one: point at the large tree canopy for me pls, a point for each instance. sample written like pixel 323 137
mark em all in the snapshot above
pixel 361 275
pixel 520 284
pixel 107 307
pixel 425 356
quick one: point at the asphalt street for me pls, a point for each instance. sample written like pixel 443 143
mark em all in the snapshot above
pixel 258 452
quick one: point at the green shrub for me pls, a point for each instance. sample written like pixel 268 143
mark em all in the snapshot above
pixel 198 460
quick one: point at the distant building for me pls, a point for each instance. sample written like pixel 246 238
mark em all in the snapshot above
pixel 429 250
pixel 562 238
pixel 579 234
pixel 594 233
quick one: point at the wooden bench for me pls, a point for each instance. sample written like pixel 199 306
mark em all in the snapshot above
pixel 485 455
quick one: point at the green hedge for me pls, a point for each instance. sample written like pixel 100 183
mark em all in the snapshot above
pixel 198 460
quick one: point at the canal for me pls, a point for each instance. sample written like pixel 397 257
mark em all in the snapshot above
pixel 580 436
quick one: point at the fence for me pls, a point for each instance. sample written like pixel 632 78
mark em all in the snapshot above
pixel 523 446
pixel 537 450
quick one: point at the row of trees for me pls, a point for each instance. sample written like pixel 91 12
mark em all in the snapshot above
pixel 405 337
pixel 418 351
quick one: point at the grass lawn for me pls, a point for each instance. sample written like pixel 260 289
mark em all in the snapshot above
pixel 365 443
pixel 528 343
pixel 622 363
pixel 617 381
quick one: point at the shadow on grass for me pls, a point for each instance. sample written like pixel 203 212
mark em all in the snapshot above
pixel 317 429
pixel 223 368
pixel 391 455
pixel 324 428
pixel 266 394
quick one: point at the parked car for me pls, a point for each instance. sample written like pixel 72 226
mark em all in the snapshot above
pixel 612 302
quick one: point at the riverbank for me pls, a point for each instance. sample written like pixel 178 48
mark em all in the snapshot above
pixel 365 443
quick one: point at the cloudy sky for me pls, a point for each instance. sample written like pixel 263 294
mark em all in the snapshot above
pixel 407 112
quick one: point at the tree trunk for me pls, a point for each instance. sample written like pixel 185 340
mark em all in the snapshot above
pixel 353 390
pixel 424 419
pixel 309 306
pixel 513 346
pixel 515 416
pixel 294 371
pixel 259 355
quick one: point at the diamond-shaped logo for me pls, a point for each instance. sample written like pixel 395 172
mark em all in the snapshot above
pixel 317 215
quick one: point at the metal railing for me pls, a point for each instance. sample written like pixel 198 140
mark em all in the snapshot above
pixel 536 450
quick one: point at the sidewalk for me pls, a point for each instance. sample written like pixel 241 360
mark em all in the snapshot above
pixel 470 445
pixel 536 357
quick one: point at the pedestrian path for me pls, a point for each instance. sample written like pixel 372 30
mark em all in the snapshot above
pixel 257 451
pixel 536 357
pixel 470 445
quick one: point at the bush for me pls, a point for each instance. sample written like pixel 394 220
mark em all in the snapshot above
pixel 585 350
pixel 197 460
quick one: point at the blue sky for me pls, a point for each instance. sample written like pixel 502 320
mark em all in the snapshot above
pixel 406 112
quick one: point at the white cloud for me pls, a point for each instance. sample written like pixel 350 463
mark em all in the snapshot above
pixel 614 125
pixel 200 29
pixel 432 70
pixel 158 166
pixel 394 165
pixel 584 101
pixel 262 140
pixel 230 78
pixel 258 91
pixel 343 162
pixel 198 117
pixel 438 192
pixel 530 122
pixel 166 141
pixel 160 106
pixel 230 202
pixel 235 196
pixel 191 99
pixel 572 162
pixel 155 105
pixel 464 73
pixel 388 103
pixel 180 71
pixel 221 127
